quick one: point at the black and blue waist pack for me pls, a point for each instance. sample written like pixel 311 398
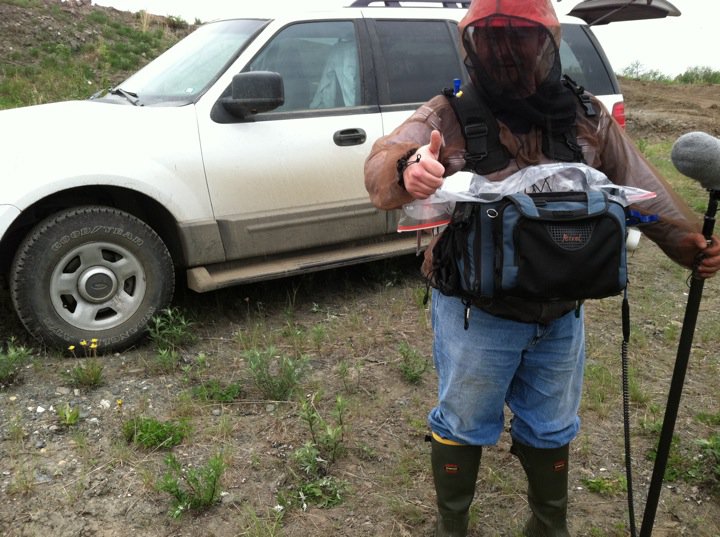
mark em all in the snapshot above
pixel 552 246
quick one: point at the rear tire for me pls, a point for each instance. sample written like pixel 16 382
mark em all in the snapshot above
pixel 91 272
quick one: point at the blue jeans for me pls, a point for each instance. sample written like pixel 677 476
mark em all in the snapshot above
pixel 536 369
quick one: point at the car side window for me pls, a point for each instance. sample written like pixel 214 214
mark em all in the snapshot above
pixel 418 58
pixel 319 64
pixel 582 62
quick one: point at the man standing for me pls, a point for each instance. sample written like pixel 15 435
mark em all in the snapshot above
pixel 526 355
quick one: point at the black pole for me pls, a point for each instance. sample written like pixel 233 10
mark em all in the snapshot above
pixel 678 379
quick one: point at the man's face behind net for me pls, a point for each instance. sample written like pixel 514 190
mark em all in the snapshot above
pixel 511 57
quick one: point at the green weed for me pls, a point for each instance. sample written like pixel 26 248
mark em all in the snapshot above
pixel 150 433
pixel 165 361
pixel 275 375
pixel 710 448
pixel 326 438
pixel 212 390
pixel 23 481
pixel 15 430
pixel 599 387
pixel 412 364
pixel 709 419
pixel 192 489
pixel 318 335
pixel 324 492
pixel 269 525
pixel 170 330
pixel 12 359
pixel 68 415
pixel 308 460
pixel 606 486
pixel 88 374
pixel 349 375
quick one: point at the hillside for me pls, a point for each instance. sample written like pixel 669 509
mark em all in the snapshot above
pixel 56 50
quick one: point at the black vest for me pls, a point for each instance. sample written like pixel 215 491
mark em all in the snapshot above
pixel 483 151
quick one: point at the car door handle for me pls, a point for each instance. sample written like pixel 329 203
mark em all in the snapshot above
pixel 349 137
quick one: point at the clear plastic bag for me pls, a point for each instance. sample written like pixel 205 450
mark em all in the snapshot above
pixel 437 209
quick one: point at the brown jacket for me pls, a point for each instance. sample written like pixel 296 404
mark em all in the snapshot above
pixel 605 146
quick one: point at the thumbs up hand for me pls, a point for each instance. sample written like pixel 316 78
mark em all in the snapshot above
pixel 424 175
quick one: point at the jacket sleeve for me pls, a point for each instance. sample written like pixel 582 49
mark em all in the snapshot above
pixel 623 163
pixel 381 175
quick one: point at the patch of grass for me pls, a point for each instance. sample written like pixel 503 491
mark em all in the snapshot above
pixel 255 336
pixel 12 358
pixel 318 335
pixel 68 415
pixel 15 430
pixel 170 330
pixel 412 363
pixel 680 465
pixel 327 438
pixel 150 433
pixel 658 153
pixel 349 375
pixel 212 390
pixel 637 394
pixel 276 375
pixel 192 488
pixel 599 387
pixel 269 525
pixel 324 492
pixel 87 374
pixel 710 448
pixel 54 68
pixel 709 419
pixel 22 482
pixel 406 512
pixel 606 486
pixel 165 361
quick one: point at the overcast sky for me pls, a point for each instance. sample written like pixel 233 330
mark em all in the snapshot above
pixel 670 45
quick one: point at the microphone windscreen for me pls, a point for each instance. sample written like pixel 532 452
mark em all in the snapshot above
pixel 697 155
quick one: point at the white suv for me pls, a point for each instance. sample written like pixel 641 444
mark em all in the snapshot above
pixel 236 156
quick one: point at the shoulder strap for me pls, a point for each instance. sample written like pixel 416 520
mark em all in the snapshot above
pixel 483 151
pixel 582 95
pixel 563 146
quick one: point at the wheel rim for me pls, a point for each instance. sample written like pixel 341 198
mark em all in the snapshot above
pixel 97 286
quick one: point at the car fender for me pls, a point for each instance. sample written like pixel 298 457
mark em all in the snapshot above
pixel 151 150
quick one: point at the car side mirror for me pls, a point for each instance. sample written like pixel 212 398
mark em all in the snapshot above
pixel 254 92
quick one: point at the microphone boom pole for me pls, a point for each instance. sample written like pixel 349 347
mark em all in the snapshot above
pixel 678 378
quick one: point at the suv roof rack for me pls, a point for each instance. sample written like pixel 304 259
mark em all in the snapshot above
pixel 397 3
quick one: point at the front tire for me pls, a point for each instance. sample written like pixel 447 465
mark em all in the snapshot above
pixel 91 272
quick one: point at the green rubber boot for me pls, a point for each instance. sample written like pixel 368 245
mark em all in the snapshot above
pixel 455 469
pixel 547 473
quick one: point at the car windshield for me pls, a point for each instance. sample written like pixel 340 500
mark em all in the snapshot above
pixel 185 71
